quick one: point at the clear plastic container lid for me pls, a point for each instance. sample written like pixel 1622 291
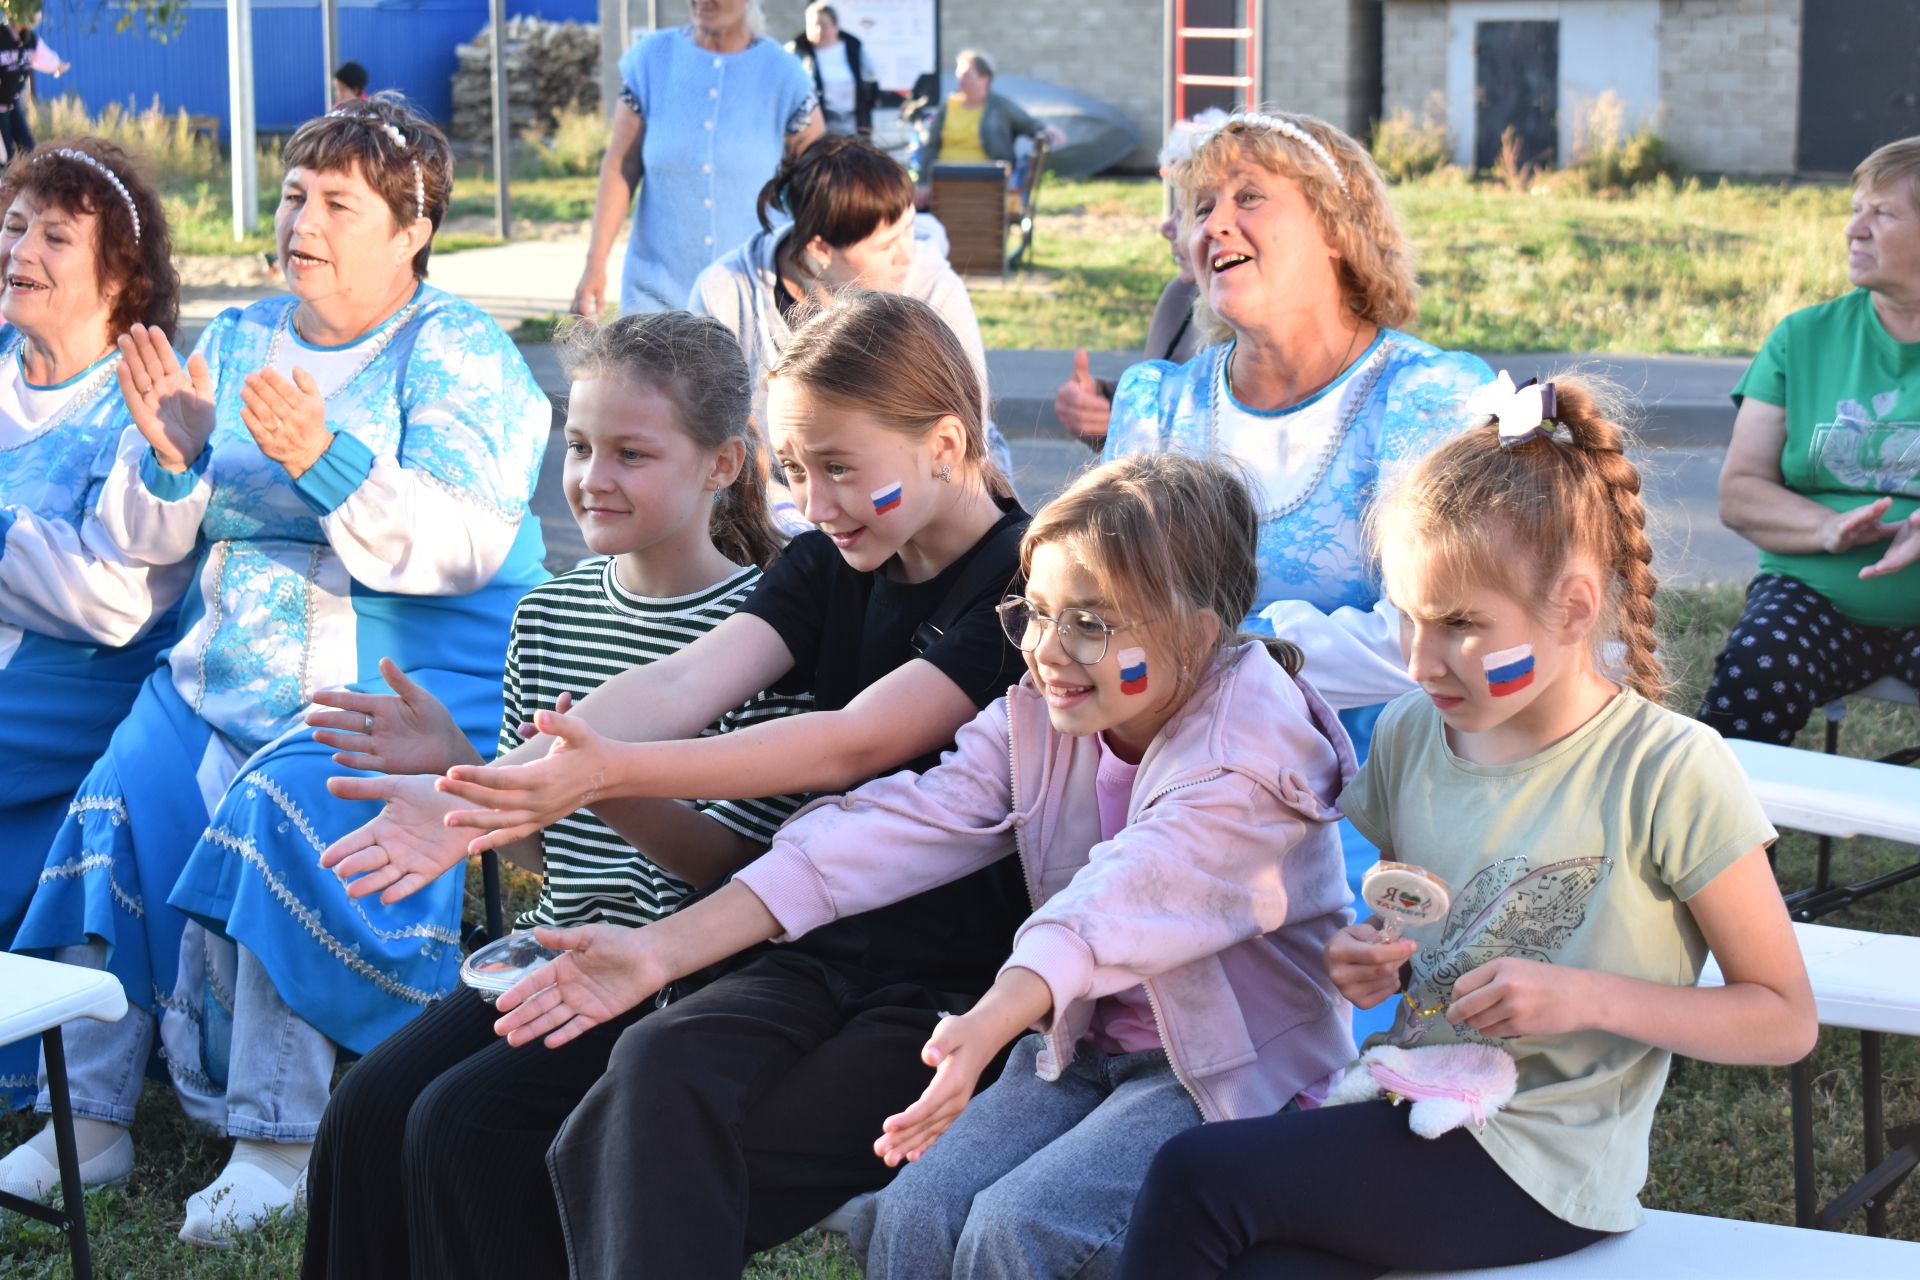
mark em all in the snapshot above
pixel 497 966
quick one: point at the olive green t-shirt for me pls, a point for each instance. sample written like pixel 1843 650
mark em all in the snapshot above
pixel 1852 396
pixel 1582 855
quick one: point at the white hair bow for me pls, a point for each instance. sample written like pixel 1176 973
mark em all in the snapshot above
pixel 1522 413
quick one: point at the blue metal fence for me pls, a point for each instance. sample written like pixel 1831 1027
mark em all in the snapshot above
pixel 404 44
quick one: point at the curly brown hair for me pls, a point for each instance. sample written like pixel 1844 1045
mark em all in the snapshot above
pixel 1376 262
pixel 136 272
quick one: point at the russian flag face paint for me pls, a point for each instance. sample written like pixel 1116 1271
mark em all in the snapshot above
pixel 886 498
pixel 1509 670
pixel 1133 671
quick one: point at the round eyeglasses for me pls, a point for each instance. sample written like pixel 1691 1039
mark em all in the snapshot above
pixel 1084 634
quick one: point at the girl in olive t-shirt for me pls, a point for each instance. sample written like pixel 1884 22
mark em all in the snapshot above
pixel 1597 846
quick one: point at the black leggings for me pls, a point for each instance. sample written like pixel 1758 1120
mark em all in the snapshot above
pixel 1341 1193
pixel 1791 652
pixel 431 1158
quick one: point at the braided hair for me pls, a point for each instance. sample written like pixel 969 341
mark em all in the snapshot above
pixel 1517 518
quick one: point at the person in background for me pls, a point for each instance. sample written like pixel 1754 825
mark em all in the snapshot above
pixel 1084 403
pixel 1823 476
pixel 1305 277
pixel 977 126
pixel 836 217
pixel 21 54
pixel 706 112
pixel 842 73
pixel 349 84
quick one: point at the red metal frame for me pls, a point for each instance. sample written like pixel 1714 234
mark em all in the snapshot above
pixel 1243 34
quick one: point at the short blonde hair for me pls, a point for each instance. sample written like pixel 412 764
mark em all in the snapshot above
pixel 1889 164
pixel 1375 267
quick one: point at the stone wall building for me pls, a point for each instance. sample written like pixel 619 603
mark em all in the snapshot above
pixel 1734 86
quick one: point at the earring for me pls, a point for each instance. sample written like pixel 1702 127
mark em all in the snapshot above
pixel 944 474
pixel 819 266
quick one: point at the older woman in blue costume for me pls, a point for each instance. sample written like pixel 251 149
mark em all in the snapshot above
pixel 348 472
pixel 1305 277
pixel 84 254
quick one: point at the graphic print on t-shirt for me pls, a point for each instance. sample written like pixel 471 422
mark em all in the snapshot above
pixel 1505 910
pixel 1866 450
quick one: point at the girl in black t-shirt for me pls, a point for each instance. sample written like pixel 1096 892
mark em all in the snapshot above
pixel 743 1113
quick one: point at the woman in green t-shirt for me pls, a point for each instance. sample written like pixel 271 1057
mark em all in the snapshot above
pixel 1823 475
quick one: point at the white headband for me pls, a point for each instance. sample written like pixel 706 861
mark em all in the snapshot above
pixel 1287 128
pixel 399 140
pixel 70 154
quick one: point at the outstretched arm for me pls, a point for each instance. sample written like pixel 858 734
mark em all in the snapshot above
pixel 820 751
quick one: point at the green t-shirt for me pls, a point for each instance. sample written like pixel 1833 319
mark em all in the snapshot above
pixel 1582 855
pixel 1852 396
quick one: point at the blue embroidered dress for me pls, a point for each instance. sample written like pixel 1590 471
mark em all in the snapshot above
pixel 715 128
pixel 78 631
pixel 411 538
pixel 1321 461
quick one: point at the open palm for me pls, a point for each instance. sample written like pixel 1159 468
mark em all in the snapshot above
pixel 405 848
pixel 172 406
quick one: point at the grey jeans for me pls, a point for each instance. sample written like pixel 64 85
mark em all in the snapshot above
pixel 1035 1179
pixel 224 1023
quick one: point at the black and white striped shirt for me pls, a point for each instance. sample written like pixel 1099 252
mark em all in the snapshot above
pixel 570 635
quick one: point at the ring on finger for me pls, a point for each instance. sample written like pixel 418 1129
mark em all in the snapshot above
pixel 366 726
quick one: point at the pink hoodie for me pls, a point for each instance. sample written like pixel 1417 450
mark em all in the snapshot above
pixel 1219 895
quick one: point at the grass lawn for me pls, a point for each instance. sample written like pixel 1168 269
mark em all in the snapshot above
pixel 1720 1143
pixel 1700 267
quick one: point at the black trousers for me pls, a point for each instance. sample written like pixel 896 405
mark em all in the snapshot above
pixel 1792 652
pixel 431 1158
pixel 738 1117
pixel 1343 1193
pixel 16 129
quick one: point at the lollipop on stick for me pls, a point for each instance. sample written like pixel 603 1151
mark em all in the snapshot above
pixel 1404 895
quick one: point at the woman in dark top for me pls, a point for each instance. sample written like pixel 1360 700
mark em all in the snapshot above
pixel 842 74
pixel 742 1113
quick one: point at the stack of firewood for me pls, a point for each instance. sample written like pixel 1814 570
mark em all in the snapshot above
pixel 551 66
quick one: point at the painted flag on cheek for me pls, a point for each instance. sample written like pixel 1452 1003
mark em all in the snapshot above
pixel 1509 670
pixel 886 498
pixel 1133 671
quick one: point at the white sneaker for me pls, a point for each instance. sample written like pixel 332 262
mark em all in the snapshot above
pixel 243 1197
pixel 27 1173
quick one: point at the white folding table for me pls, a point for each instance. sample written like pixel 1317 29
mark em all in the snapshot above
pixel 38 997
pixel 1869 982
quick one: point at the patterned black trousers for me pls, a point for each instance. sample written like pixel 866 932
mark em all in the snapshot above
pixel 1791 652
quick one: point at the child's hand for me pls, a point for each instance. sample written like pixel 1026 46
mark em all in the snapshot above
pixel 411 732
pixel 1364 969
pixel 521 800
pixel 404 848
pixel 1515 997
pixel 605 971
pixel 958 1052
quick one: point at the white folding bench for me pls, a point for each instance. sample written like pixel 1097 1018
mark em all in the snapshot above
pixel 1869 982
pixel 1685 1246
pixel 1835 797
pixel 38 997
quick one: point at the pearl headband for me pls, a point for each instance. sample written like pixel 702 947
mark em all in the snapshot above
pixel 68 153
pixel 399 140
pixel 1286 128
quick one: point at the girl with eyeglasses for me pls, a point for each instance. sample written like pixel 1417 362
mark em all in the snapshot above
pixel 1170 795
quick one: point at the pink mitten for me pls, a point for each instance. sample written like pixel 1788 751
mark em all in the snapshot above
pixel 1448 1084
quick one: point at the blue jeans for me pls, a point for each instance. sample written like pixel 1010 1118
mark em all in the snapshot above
pixel 1034 1178
pixel 240 1059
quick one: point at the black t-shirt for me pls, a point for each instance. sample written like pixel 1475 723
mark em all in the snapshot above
pixel 846 629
